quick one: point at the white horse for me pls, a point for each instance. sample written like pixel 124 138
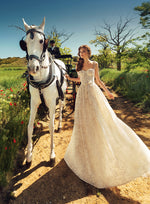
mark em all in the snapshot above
pixel 44 76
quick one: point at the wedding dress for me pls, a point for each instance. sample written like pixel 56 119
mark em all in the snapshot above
pixel 103 150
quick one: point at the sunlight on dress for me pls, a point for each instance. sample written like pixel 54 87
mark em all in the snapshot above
pixel 103 150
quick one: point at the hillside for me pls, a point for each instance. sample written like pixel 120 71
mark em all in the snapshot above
pixel 13 62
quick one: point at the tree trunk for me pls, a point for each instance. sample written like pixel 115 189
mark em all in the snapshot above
pixel 118 60
pixel 119 65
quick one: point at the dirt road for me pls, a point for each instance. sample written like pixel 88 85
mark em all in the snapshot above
pixel 42 184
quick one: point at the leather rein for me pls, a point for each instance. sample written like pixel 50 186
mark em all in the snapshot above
pixel 30 57
pixel 42 85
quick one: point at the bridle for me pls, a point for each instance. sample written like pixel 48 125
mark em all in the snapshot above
pixel 23 46
pixel 40 85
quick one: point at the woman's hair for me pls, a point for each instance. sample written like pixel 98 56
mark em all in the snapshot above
pixel 81 60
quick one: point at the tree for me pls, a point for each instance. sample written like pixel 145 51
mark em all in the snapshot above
pixel 118 39
pixel 144 11
pixel 105 56
pixel 60 38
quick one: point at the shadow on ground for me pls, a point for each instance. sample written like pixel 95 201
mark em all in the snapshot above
pixel 60 185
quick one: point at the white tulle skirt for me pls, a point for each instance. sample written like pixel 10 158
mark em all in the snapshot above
pixel 103 150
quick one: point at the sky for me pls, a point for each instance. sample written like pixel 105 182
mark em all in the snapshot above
pixel 80 17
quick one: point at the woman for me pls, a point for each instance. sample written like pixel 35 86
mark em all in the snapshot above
pixel 103 150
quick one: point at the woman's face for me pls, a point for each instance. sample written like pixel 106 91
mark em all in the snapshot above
pixel 83 53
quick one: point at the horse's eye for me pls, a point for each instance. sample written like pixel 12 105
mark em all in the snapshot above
pixel 41 41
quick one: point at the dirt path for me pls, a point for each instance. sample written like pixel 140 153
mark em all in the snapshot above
pixel 42 184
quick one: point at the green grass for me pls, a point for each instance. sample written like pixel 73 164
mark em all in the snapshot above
pixel 9 78
pixel 14 116
pixel 135 85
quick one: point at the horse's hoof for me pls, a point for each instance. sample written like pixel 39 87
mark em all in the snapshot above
pixel 28 164
pixel 52 162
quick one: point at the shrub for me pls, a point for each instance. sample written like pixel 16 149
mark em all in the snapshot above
pixel 14 115
pixel 135 85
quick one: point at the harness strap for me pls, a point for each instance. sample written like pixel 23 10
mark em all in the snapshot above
pixel 59 66
pixel 59 89
pixel 61 78
pixel 38 85
pixel 30 57
pixel 42 85
pixel 34 30
pixel 59 84
pixel 35 57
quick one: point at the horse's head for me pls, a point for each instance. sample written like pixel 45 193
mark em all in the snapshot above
pixel 35 45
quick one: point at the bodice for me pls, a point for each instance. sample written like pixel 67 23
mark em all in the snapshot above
pixel 87 76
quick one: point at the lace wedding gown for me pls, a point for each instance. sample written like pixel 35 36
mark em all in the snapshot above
pixel 103 150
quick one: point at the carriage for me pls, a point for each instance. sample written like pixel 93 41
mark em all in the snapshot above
pixel 72 87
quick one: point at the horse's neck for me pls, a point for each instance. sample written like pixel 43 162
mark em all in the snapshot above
pixel 43 73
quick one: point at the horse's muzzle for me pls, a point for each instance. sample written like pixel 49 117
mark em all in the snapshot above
pixel 32 70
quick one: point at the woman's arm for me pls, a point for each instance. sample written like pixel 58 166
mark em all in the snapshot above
pixel 100 83
pixel 72 79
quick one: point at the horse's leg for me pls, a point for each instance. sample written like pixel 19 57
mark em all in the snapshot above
pixel 51 129
pixel 33 111
pixel 60 115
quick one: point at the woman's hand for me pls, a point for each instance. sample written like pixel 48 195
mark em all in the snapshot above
pixel 67 76
pixel 72 79
pixel 110 95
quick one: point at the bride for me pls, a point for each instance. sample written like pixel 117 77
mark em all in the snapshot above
pixel 103 150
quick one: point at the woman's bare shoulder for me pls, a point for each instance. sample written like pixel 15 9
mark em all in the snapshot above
pixel 95 64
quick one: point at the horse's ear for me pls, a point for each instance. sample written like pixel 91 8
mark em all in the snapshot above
pixel 27 27
pixel 23 45
pixel 42 25
pixel 45 45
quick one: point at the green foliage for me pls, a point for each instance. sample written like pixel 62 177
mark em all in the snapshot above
pixel 115 37
pixel 65 51
pixel 105 56
pixel 101 40
pixel 137 58
pixel 144 12
pixel 55 37
pixel 135 85
pixel 104 59
pixel 130 57
pixel 59 38
pixel 14 115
